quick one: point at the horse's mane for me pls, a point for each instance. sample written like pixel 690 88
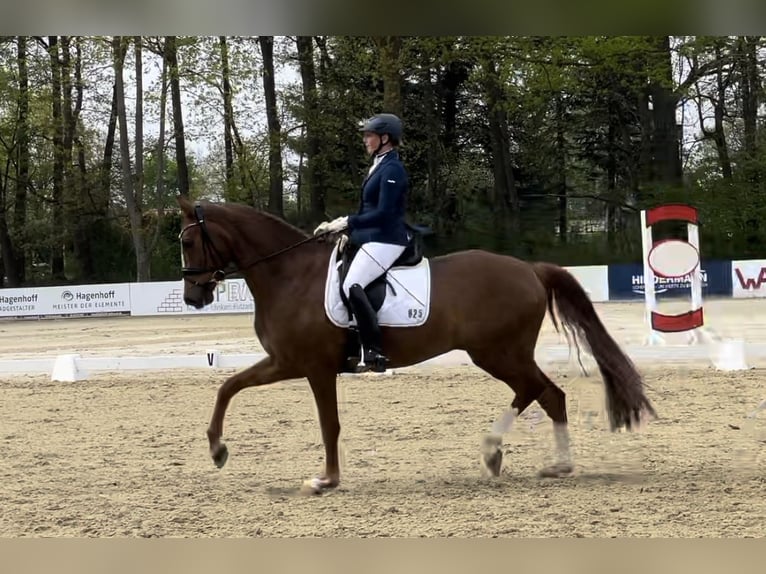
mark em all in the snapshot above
pixel 243 215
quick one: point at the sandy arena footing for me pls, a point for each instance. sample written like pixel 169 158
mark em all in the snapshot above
pixel 125 453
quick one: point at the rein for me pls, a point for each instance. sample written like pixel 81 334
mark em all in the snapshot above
pixel 219 275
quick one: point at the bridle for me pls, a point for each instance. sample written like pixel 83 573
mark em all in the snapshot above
pixel 217 275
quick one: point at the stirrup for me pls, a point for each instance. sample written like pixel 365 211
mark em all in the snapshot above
pixel 376 362
pixel 351 365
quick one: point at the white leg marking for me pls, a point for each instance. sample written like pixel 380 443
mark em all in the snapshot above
pixel 504 424
pixel 561 434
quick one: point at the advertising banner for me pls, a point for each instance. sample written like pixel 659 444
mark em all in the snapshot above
pixel 594 279
pixel 166 298
pixel 748 278
pixel 626 281
pixel 69 300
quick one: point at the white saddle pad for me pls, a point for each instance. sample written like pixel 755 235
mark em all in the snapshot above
pixel 407 305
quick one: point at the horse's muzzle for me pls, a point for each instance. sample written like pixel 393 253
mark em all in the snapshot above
pixel 196 303
pixel 198 296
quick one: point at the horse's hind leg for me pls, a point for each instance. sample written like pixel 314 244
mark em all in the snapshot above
pixel 520 372
pixel 553 402
pixel 510 368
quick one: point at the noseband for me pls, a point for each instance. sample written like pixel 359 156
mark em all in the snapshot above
pixel 218 275
pixel 208 247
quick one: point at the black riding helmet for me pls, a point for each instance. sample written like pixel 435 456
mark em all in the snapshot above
pixel 385 124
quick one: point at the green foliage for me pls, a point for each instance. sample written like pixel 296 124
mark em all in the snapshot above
pixel 167 252
pixel 575 115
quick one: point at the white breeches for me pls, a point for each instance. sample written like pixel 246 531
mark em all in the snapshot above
pixel 370 262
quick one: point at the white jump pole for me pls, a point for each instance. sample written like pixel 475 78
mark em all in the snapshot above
pixel 650 298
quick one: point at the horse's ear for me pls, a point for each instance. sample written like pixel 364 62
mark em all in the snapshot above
pixel 185 205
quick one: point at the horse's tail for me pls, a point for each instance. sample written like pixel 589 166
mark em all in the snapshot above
pixel 626 401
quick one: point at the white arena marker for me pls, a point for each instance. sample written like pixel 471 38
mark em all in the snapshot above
pixel 211 357
pixel 730 355
pixel 65 369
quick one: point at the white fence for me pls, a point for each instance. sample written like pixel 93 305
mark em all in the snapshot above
pixel 233 296
pixel 166 297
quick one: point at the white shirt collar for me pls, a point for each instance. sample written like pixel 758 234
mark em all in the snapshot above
pixel 377 159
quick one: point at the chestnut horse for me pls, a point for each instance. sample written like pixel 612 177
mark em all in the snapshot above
pixel 491 306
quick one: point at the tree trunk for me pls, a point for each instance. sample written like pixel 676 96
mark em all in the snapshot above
pixel 314 173
pixel 16 271
pixel 561 168
pixel 389 48
pixel 120 47
pixel 453 78
pixel 2 261
pixel 667 155
pixel 171 53
pixel 272 118
pixel 7 253
pixel 74 184
pixel 139 127
pixel 645 165
pixel 299 178
pixel 159 155
pixel 434 198
pixel 232 142
pixel 102 202
pixel 719 111
pixel 245 172
pixel 750 85
pixel 67 113
pixel 613 202
pixel 85 232
pixel 228 114
pixel 57 235
pixel 505 200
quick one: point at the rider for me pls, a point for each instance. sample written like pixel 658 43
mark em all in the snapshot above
pixel 378 228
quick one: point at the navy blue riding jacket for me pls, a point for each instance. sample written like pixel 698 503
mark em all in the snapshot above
pixel 383 205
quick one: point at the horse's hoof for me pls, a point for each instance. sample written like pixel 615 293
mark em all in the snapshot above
pixel 220 455
pixel 558 470
pixel 492 455
pixel 493 463
pixel 317 485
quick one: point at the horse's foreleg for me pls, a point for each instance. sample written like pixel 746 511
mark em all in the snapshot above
pixel 263 372
pixel 323 385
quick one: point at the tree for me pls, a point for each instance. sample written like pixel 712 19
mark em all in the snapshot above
pixel 131 192
pixel 314 172
pixel 57 260
pixel 13 241
pixel 228 113
pixel 171 53
pixel 276 191
pixel 389 48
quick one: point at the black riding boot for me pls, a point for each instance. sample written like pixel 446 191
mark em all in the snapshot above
pixel 369 330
